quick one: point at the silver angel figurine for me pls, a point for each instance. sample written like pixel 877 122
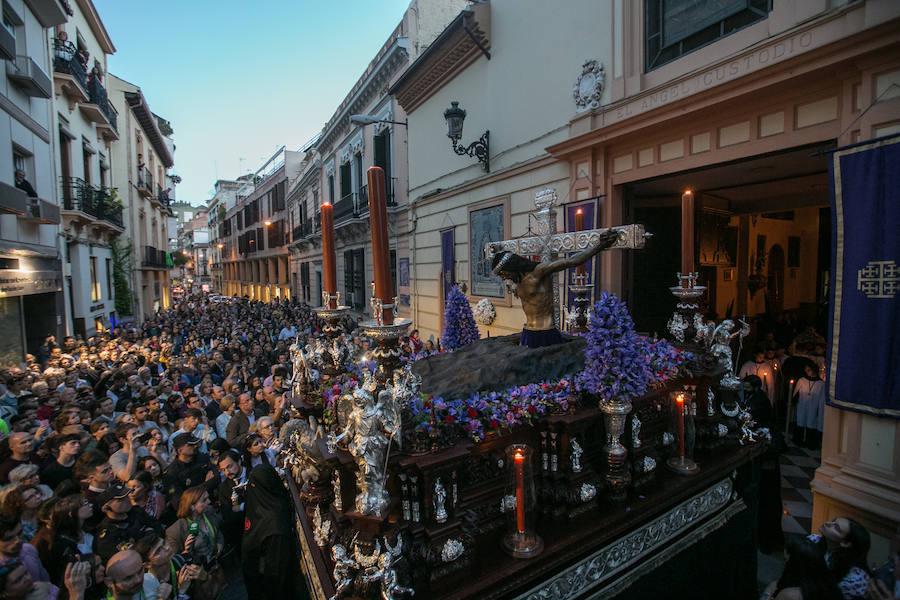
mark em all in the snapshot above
pixel 440 496
pixel 321 528
pixel 384 572
pixel 575 455
pixel 370 429
pixel 720 347
pixel 344 570
pixel 302 378
pixel 635 432
pixel 298 442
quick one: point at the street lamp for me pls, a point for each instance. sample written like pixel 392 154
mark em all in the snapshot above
pixel 362 120
pixel 479 149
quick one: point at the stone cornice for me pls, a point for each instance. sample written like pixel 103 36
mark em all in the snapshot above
pixel 460 44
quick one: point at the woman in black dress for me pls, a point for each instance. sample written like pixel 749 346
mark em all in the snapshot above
pixel 269 548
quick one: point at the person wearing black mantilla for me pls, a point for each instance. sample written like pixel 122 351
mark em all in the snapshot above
pixel 269 552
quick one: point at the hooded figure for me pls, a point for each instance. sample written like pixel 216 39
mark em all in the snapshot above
pixel 268 550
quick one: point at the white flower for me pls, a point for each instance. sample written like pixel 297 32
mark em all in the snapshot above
pixel 484 312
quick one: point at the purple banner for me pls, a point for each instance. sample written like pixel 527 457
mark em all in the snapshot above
pixel 865 291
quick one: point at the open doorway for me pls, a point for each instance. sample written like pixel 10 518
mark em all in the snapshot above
pixel 762 243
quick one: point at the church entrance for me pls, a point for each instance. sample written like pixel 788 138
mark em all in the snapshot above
pixel 762 243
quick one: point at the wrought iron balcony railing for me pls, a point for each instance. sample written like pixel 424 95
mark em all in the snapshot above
pixel 96 202
pixel 65 61
pixel 98 96
pixel 154 258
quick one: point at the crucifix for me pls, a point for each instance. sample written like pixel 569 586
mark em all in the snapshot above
pixel 538 282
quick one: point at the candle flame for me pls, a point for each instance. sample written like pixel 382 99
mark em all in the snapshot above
pixel 519 456
pixel 679 398
pixel 324 204
pixel 688 193
pixel 579 211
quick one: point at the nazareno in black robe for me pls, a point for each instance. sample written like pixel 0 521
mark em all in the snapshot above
pixel 269 552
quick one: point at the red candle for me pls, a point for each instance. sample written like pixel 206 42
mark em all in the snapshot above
pixel 329 272
pixel 687 232
pixel 381 252
pixel 519 460
pixel 679 400
pixel 579 226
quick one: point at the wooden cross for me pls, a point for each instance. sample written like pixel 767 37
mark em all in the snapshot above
pixel 548 244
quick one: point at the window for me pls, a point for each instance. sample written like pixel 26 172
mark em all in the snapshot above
pixel 346 181
pixel 331 189
pixel 383 160
pixel 109 279
pixel 95 283
pixel 677 27
pixel 99 325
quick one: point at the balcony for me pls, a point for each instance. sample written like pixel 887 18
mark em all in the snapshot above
pixel 99 110
pixel 69 77
pixel 41 211
pixel 145 183
pixel 50 13
pixel 80 200
pixel 347 207
pixel 356 205
pixel 162 196
pixel 154 258
pixel 28 76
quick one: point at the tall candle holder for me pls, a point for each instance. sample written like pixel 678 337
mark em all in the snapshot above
pixel 681 463
pixel 519 503
pixel 683 324
pixel 577 320
pixel 616 475
pixel 334 361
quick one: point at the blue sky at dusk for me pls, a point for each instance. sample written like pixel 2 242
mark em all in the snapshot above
pixel 238 79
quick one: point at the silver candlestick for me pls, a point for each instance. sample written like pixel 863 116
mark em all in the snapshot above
pixel 684 321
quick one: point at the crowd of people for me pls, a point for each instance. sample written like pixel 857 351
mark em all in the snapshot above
pixel 142 462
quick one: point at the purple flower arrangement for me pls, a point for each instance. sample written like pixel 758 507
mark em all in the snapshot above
pixel 619 363
pixel 460 328
pixel 485 412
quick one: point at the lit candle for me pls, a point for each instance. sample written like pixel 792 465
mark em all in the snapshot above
pixel 579 226
pixel 519 460
pixel 679 400
pixel 687 233
pixel 381 252
pixel 329 272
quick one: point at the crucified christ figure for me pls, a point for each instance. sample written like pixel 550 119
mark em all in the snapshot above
pixel 534 286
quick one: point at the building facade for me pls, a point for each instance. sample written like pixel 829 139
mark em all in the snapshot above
pixel 254 236
pixel 32 304
pixel 218 206
pixel 141 159
pixel 336 168
pixel 87 127
pixel 740 107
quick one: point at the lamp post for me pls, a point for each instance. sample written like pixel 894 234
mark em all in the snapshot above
pixel 479 149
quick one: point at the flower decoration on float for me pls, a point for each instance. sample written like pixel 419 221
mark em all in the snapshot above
pixel 621 365
pixel 484 312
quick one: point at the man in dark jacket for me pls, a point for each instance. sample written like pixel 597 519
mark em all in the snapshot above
pixel 190 468
pixel 123 524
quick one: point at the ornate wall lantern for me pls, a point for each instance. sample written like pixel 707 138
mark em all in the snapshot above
pixel 479 149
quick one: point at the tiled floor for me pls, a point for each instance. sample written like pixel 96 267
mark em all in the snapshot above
pixel 798 466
